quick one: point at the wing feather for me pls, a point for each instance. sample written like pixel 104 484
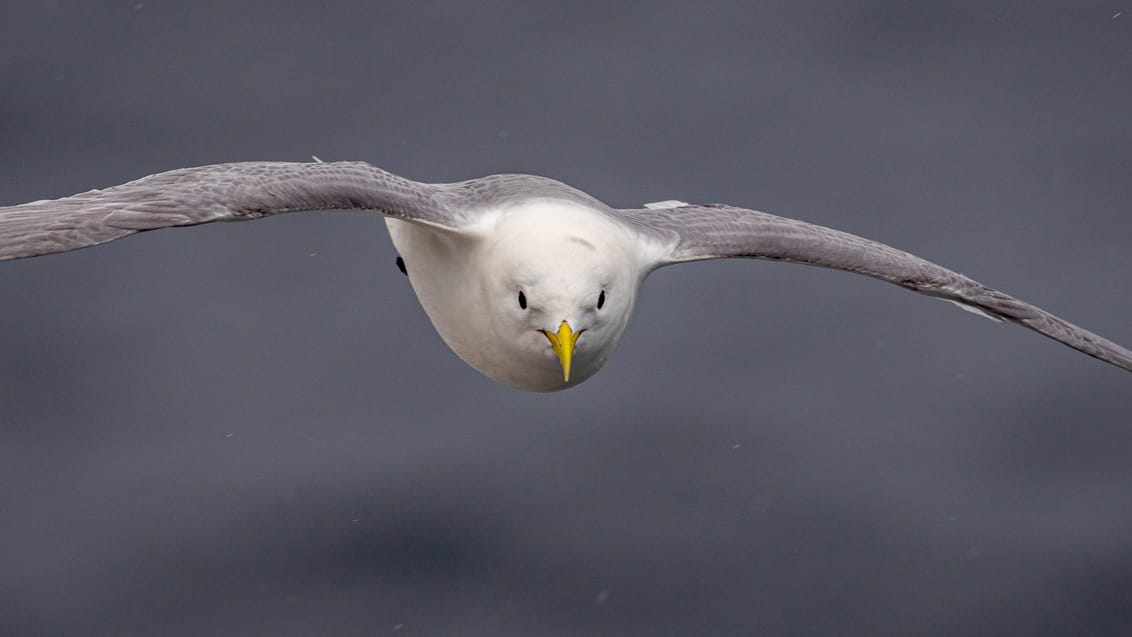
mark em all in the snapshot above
pixel 221 192
pixel 716 231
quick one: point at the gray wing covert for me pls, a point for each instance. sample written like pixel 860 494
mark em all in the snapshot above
pixel 719 231
pixel 221 192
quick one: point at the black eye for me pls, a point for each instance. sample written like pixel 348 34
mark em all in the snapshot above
pixel 601 299
pixel 522 300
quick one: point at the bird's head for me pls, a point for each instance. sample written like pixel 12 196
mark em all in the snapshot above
pixel 562 297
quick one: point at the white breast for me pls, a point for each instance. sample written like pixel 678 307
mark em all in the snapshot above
pixel 457 275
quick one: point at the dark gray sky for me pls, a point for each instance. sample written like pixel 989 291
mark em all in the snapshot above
pixel 251 429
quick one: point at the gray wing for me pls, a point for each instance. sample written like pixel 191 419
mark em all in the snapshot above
pixel 691 233
pixel 222 192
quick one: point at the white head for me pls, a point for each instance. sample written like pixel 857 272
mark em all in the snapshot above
pixel 561 285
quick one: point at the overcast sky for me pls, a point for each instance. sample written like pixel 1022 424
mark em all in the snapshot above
pixel 252 429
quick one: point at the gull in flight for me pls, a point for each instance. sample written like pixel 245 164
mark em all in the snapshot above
pixel 529 280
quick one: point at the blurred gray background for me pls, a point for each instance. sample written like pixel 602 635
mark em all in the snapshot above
pixel 252 429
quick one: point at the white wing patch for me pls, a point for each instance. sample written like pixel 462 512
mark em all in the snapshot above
pixel 667 203
pixel 974 310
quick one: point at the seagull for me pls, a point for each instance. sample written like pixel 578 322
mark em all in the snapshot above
pixel 529 280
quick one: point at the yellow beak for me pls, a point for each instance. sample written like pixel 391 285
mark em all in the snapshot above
pixel 563 344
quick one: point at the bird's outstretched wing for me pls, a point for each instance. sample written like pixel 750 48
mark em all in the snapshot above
pixel 693 233
pixel 221 192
